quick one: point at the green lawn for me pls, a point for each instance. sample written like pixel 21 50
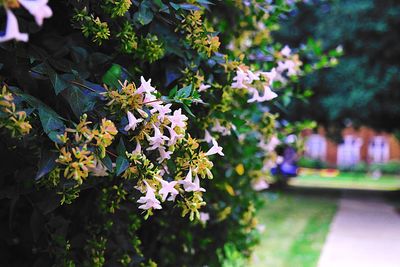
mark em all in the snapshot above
pixel 295 228
pixel 348 181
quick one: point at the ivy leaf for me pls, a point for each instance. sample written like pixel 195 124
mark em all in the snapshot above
pixel 59 84
pixel 51 123
pixel 121 149
pixel 107 162
pixel 47 163
pixel 144 15
pixel 121 165
pixel 79 101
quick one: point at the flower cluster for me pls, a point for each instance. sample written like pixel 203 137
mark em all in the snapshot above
pixel 198 35
pixel 92 26
pixel 288 64
pixel 254 82
pixel 13 120
pixel 77 152
pixel 38 8
pixel 162 148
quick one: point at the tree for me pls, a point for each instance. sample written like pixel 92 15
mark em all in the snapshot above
pixel 364 86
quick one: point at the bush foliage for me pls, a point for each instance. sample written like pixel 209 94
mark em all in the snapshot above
pixel 137 133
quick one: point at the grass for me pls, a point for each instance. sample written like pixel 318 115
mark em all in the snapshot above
pixel 348 180
pixel 296 225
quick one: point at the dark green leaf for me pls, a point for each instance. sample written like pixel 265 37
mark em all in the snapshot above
pixel 59 84
pixel 121 165
pixel 144 15
pixel 107 162
pixel 121 149
pixel 47 163
pixel 51 123
pixel 79 100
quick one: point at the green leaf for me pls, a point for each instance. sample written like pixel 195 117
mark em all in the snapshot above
pixel 121 149
pixel 144 15
pixel 59 84
pixel 121 165
pixel 185 107
pixel 79 101
pixel 47 163
pixel 112 76
pixel 172 93
pixel 184 92
pixel 51 123
pixel 107 162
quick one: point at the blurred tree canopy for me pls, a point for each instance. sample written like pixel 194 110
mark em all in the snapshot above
pixel 364 86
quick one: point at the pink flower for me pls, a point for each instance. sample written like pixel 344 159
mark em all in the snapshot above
pixel 187 183
pixel 167 188
pixel 157 140
pixel 204 87
pixel 145 87
pixel 286 51
pixel 12 29
pixel 252 76
pixel 162 111
pixel 215 149
pixel 149 201
pixel 260 185
pixel 196 186
pixel 39 9
pixel 207 136
pixel 240 79
pixel 173 136
pixel 204 217
pixel 132 122
pixel 163 154
pixel 177 119
pixel 138 148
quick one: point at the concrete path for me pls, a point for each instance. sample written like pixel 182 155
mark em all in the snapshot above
pixel 365 232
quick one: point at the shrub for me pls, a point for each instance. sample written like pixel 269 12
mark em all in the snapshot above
pixel 134 132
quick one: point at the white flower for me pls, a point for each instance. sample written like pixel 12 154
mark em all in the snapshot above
pixel 259 185
pixel 204 87
pixel 215 149
pixel 38 8
pixel 253 76
pixel 149 200
pixel 240 79
pixel 204 217
pixel 220 129
pixel 138 148
pixel 207 136
pixel 132 122
pixel 162 111
pixel 196 186
pixel 167 188
pixel 187 183
pixel 177 119
pixel 286 51
pixel 163 154
pixel 12 29
pixel 256 95
pixel 268 94
pixel 145 87
pixel 173 136
pixel 157 140
pixel 270 75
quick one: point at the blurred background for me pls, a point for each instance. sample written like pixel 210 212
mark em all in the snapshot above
pixel 337 204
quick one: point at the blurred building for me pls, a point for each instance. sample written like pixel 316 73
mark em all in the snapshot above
pixel 359 145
